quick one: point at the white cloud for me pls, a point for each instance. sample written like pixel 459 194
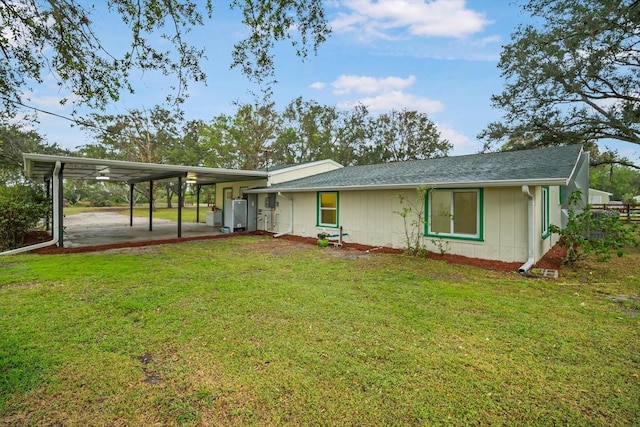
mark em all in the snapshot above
pixel 367 85
pixel 49 102
pixel 397 100
pixel 486 41
pixel 371 19
pixel 318 85
pixel 461 143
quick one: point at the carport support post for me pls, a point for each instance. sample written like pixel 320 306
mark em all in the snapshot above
pixel 180 202
pixel 131 204
pixel 47 183
pixel 150 205
pixel 198 204
pixel 60 203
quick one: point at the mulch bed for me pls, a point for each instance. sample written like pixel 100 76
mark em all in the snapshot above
pixel 552 259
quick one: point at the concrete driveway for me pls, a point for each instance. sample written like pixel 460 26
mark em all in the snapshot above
pixel 106 228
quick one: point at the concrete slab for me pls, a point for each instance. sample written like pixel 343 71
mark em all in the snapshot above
pixel 107 228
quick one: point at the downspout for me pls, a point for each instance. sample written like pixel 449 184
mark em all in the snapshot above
pixel 530 261
pixel 290 230
pixel 56 219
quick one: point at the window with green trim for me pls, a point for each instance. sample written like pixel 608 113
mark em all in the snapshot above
pixel 328 209
pixel 455 213
pixel 545 212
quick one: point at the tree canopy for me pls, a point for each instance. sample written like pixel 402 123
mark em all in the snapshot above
pixel 571 76
pixel 42 38
pixel 14 141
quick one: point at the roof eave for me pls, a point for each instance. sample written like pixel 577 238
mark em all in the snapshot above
pixel 476 184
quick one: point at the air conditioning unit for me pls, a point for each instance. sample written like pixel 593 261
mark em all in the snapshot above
pixel 235 214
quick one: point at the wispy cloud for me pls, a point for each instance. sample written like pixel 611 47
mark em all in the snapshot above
pixel 367 85
pixel 397 100
pixel 461 143
pixel 389 19
pixel 318 85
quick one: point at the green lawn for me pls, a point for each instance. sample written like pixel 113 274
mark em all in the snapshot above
pixel 257 331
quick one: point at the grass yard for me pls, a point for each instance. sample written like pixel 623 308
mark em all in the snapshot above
pixel 257 331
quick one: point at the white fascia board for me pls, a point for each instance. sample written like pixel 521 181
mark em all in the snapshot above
pixel 478 184
pixel 305 165
pixel 577 163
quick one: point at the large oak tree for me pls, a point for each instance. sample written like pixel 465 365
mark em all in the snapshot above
pixel 59 38
pixel 572 76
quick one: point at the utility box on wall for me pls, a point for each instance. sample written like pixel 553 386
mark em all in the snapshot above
pixel 235 214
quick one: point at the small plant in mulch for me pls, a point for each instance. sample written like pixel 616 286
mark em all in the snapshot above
pixel 323 240
pixel 413 217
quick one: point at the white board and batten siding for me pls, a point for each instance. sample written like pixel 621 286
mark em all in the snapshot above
pixel 370 217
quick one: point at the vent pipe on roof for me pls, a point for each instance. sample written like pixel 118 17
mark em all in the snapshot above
pixel 56 218
pixel 530 231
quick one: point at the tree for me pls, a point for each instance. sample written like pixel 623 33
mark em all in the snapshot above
pixel 404 135
pixel 617 179
pixel 572 77
pixel 308 133
pixel 58 37
pixel 139 136
pixel 21 208
pixel 241 141
pixel 15 140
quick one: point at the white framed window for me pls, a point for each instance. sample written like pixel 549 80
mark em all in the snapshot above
pixel 327 215
pixel 455 213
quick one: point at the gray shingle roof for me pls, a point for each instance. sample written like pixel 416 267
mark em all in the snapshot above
pixel 543 166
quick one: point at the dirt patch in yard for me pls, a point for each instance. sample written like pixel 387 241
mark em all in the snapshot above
pixel 552 260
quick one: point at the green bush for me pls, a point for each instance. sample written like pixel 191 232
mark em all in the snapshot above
pixel 593 232
pixel 21 208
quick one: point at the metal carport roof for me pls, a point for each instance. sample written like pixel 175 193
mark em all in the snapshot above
pixel 40 166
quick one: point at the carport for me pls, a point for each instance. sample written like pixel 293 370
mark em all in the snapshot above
pixel 53 170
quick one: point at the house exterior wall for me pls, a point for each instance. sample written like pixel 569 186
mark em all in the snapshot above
pixel 371 217
pixel 235 186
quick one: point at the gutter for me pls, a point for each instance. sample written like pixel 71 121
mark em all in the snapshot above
pixel 530 261
pixel 56 218
pixel 290 230
pixel 412 186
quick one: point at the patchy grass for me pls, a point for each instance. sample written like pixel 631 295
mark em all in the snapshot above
pixel 259 331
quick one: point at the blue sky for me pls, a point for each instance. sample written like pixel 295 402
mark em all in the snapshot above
pixel 435 56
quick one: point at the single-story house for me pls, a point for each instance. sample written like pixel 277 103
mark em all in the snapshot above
pixel 495 206
pixel 599 197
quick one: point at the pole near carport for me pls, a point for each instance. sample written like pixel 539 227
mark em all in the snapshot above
pixel 47 183
pixel 131 204
pixel 180 202
pixel 60 203
pixel 150 205
pixel 198 204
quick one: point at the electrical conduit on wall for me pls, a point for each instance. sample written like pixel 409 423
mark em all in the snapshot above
pixel 56 218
